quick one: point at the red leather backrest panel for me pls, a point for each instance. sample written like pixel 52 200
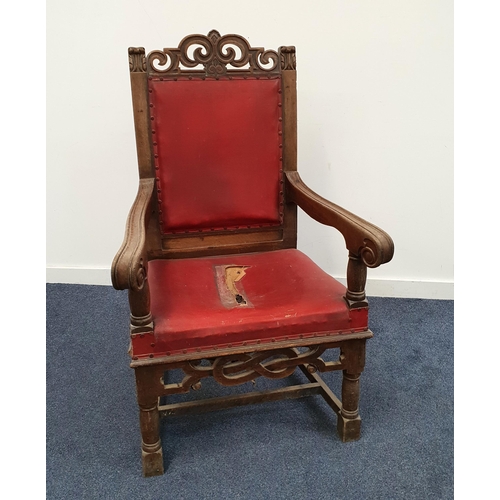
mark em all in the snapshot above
pixel 217 147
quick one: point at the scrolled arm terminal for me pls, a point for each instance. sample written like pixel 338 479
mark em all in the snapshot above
pixel 372 245
pixel 368 245
pixel 129 268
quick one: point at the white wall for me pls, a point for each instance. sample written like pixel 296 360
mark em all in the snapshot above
pixel 375 107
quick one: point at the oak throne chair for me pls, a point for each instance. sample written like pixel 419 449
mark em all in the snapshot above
pixel 216 285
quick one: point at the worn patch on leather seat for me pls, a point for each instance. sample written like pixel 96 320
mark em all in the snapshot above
pixel 229 286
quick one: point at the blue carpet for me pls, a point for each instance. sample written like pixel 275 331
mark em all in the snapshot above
pixel 281 450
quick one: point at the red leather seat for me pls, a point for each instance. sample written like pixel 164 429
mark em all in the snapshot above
pixel 287 296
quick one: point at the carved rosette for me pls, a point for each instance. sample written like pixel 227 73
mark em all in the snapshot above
pixel 137 59
pixel 216 54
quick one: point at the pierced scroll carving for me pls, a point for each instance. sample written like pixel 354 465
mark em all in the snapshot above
pixel 215 53
pixel 240 368
pixel 287 58
pixel 137 59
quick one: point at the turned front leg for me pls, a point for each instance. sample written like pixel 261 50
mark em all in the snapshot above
pixel 152 454
pixel 349 421
pixel 149 418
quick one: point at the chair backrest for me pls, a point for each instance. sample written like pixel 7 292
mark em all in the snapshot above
pixel 216 128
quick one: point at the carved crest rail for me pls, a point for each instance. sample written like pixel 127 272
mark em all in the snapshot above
pixel 218 55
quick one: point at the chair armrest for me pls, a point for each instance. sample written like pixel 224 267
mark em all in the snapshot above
pixel 129 267
pixel 363 240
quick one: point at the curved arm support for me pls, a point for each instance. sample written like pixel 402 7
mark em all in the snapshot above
pixel 368 245
pixel 363 240
pixel 129 268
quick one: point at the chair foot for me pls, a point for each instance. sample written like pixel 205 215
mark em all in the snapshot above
pixel 349 429
pixel 152 460
pixel 348 420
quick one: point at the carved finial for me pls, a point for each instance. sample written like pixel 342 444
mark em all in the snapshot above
pixel 214 35
pixel 287 58
pixel 137 59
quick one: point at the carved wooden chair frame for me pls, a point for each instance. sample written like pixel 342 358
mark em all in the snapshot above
pixel 367 245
